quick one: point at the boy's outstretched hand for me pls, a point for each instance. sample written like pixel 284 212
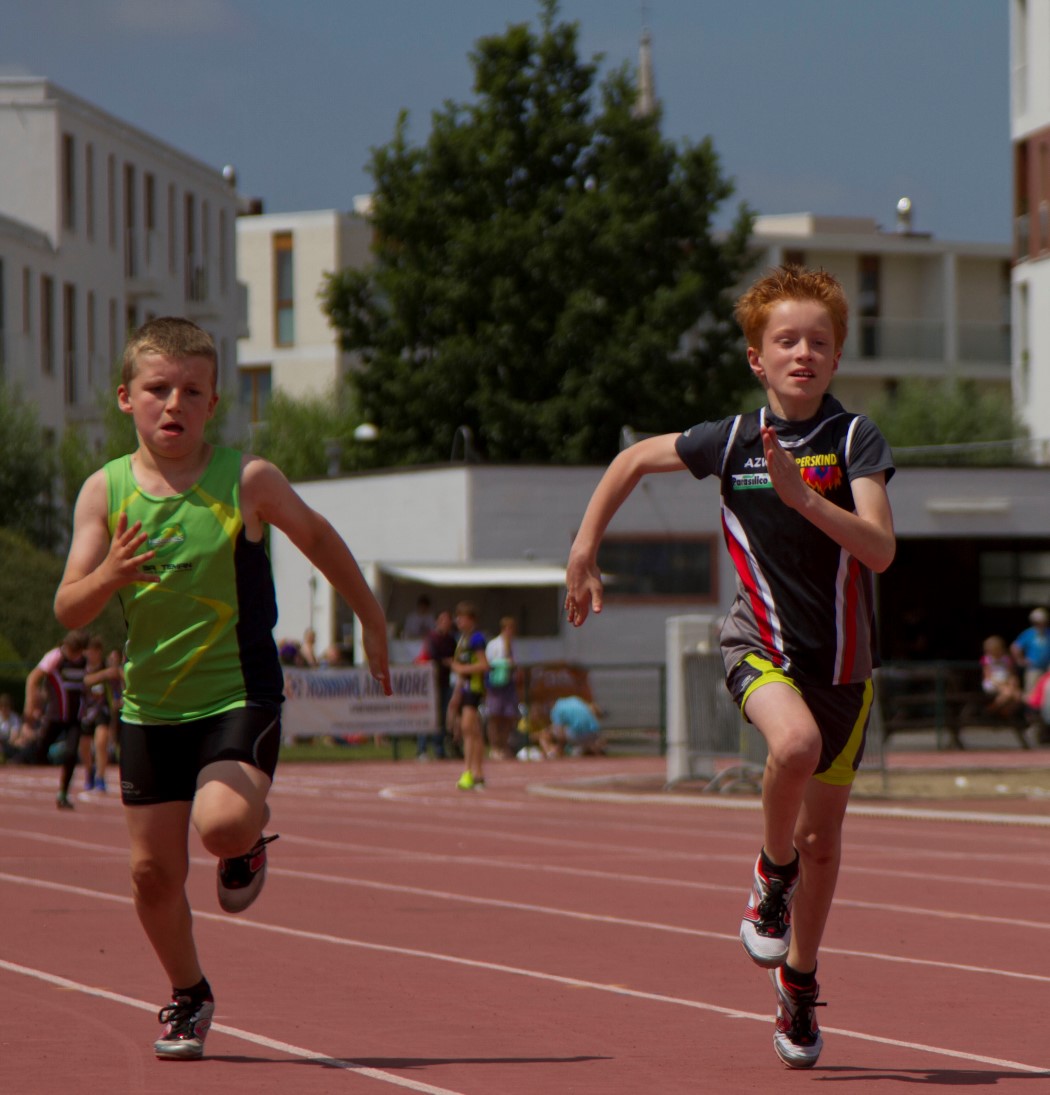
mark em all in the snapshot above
pixel 122 564
pixel 584 590
pixel 377 656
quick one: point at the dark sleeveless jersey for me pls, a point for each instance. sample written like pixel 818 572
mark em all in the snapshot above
pixel 802 601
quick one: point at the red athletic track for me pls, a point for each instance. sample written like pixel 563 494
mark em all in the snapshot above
pixel 412 937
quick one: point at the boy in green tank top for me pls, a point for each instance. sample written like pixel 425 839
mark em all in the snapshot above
pixel 176 531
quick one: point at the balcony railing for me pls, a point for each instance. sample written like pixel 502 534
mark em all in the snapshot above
pixel 925 340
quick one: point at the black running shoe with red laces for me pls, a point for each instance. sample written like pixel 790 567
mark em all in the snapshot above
pixel 241 877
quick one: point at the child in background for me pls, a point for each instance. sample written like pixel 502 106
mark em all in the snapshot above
pixel 999 679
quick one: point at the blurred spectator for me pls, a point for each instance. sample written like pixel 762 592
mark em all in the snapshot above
pixel 999 680
pixel 10 727
pixel 501 690
pixel 574 727
pixel 470 665
pixel 1031 649
pixel 61 671
pixel 420 622
pixel 96 714
pixel 439 647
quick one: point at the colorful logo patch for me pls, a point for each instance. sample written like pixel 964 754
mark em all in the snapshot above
pixel 822 479
pixel 168 539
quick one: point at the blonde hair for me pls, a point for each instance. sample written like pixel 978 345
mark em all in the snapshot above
pixel 172 336
pixel 791 283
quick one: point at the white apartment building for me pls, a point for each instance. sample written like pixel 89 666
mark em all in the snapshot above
pixel 919 307
pixel 282 259
pixel 102 227
pixel 1030 135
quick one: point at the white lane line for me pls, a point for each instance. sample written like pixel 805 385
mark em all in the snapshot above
pixel 514 971
pixel 620 990
pixel 857 807
pixel 233 1032
pixel 331 879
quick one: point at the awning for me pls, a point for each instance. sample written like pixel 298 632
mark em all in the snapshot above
pixel 477 575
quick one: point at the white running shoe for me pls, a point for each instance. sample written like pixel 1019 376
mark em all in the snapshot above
pixel 796 1036
pixel 186 1027
pixel 765 930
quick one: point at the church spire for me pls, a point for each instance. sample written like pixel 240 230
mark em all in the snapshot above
pixel 645 104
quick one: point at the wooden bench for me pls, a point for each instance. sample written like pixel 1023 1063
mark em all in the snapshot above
pixel 946 699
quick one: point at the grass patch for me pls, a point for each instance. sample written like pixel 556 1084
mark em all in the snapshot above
pixel 324 750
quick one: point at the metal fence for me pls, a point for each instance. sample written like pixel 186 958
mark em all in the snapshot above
pixel 707 737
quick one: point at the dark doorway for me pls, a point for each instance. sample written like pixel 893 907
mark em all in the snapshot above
pixel 933 604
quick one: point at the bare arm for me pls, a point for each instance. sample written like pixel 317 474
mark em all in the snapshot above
pixel 582 578
pixel 267 496
pixel 98 566
pixel 866 534
pixel 31 708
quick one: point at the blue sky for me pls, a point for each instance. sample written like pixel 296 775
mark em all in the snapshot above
pixel 824 106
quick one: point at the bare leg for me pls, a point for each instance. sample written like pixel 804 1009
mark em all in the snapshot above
pixel 818 838
pixel 159 865
pixel 473 741
pixel 782 717
pixel 230 810
pixel 101 751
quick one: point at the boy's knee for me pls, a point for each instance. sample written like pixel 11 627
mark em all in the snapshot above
pixel 228 837
pixel 797 752
pixel 819 846
pixel 153 883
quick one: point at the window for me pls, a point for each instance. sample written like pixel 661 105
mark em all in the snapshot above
pixel 1014 578
pixel 149 214
pixel 69 343
pixel 111 199
pixel 652 567
pixel 69 182
pixel 173 251
pixel 869 305
pixel 131 249
pixel 283 289
pixel 114 334
pixel 92 340
pixel 223 276
pixel 89 191
pixel 27 300
pixel 254 394
pixel 47 325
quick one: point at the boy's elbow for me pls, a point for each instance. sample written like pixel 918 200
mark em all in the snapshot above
pixel 884 557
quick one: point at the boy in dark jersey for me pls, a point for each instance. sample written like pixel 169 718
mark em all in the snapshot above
pixel 177 531
pixel 806 519
pixel 469 666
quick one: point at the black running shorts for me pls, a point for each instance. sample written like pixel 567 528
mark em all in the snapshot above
pixel 161 763
pixel 841 712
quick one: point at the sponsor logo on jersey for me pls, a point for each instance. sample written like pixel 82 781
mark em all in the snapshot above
pixel 167 540
pixel 752 481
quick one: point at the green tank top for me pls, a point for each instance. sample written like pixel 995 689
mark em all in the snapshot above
pixel 200 638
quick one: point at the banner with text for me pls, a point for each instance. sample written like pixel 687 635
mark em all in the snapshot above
pixel 338 702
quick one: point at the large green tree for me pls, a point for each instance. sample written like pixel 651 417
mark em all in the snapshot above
pixel 536 265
